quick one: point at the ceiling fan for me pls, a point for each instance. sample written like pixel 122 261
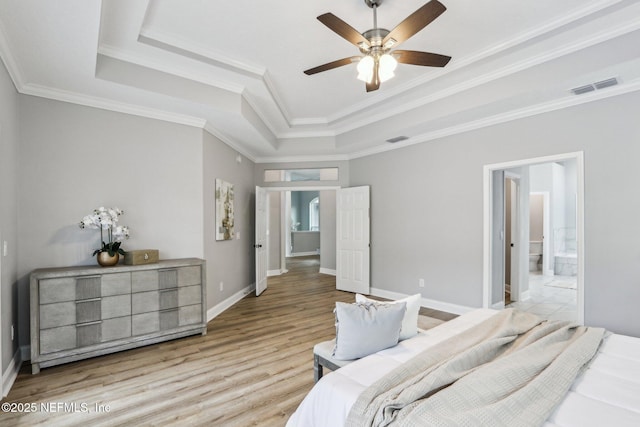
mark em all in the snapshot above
pixel 378 60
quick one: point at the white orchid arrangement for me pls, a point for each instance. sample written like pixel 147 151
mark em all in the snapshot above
pixel 106 219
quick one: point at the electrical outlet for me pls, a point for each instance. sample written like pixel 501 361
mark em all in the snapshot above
pixel 12 333
pixel 421 283
pixel 5 248
pixel 222 286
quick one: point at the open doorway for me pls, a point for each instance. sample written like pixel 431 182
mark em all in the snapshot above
pixel 301 223
pixel 543 282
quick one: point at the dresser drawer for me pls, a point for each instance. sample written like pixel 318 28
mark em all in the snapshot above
pixel 113 329
pixel 58 314
pixel 142 281
pixel 116 284
pixel 188 276
pixel 144 302
pixel 57 339
pixel 57 290
pixel 189 295
pixel 85 311
pixel 116 306
pixel 190 315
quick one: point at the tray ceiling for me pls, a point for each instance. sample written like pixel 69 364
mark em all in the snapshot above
pixel 235 68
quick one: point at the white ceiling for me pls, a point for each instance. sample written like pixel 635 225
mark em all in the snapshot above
pixel 235 68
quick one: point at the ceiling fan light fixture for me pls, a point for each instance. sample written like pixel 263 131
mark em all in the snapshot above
pixel 365 68
pixel 386 66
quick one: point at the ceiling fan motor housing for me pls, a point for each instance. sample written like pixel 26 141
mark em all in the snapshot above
pixel 375 37
pixel 372 3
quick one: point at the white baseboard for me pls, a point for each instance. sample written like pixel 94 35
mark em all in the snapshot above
pixel 327 271
pixel 216 310
pixel 498 305
pixel 304 253
pixel 525 295
pixel 11 373
pixel 424 302
pixel 271 273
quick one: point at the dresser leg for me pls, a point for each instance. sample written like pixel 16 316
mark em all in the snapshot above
pixel 35 368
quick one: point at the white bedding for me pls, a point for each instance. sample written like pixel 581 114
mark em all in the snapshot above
pixel 608 393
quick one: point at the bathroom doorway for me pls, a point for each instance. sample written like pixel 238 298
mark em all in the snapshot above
pixel 562 237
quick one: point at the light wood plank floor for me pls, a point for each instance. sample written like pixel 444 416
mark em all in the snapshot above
pixel 252 368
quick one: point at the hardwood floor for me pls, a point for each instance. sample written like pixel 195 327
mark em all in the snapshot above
pixel 252 368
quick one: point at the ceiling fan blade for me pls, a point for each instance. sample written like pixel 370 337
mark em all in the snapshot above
pixel 344 30
pixel 332 65
pixel 415 22
pixel 415 57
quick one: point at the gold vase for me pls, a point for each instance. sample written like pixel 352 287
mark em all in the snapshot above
pixel 106 260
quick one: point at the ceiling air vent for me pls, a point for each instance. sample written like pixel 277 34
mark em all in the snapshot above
pixel 583 89
pixel 593 86
pixel 606 83
pixel 397 139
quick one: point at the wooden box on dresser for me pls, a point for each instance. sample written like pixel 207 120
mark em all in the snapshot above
pixel 82 312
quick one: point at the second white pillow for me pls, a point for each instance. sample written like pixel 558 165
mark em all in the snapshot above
pixel 410 320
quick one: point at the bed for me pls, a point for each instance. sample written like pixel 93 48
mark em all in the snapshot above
pixel 607 392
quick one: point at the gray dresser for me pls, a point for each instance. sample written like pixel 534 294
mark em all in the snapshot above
pixel 82 312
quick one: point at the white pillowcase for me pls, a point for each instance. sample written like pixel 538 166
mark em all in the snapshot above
pixel 364 328
pixel 410 321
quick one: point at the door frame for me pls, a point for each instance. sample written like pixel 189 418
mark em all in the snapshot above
pixel 488 215
pixel 516 235
pixel 284 222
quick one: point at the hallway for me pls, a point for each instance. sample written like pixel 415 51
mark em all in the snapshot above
pixel 551 297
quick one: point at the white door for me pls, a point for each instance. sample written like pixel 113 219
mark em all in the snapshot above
pixel 261 240
pixel 352 239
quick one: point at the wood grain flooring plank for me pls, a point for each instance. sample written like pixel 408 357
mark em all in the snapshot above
pixel 253 368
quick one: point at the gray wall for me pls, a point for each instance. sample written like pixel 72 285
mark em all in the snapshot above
pixel 275 234
pixel 328 230
pixel 74 159
pixel 427 200
pixel 8 215
pixel 229 261
pixel 162 175
pixel 300 207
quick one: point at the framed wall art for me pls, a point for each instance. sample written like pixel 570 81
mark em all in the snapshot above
pixel 224 210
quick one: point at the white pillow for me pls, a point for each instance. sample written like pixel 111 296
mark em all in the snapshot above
pixel 364 328
pixel 410 321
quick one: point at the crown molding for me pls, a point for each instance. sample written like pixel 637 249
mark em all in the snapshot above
pixel 198 52
pixel 457 64
pixel 9 62
pixel 545 107
pixel 208 127
pixel 110 105
pixel 143 60
pixel 301 159
pixel 496 74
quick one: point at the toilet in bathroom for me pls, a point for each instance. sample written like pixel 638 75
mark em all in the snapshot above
pixel 535 255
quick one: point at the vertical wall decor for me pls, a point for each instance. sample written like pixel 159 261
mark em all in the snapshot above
pixel 224 210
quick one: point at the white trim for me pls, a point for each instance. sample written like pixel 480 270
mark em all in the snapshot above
pixel 11 373
pixel 508 116
pixel 218 309
pixel 296 254
pixel 327 271
pixel 110 105
pixel 498 305
pixel 525 295
pixel 271 273
pixel 487 213
pixel 424 302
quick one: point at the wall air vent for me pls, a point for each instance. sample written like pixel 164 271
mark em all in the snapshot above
pixel 606 83
pixel 397 139
pixel 593 86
